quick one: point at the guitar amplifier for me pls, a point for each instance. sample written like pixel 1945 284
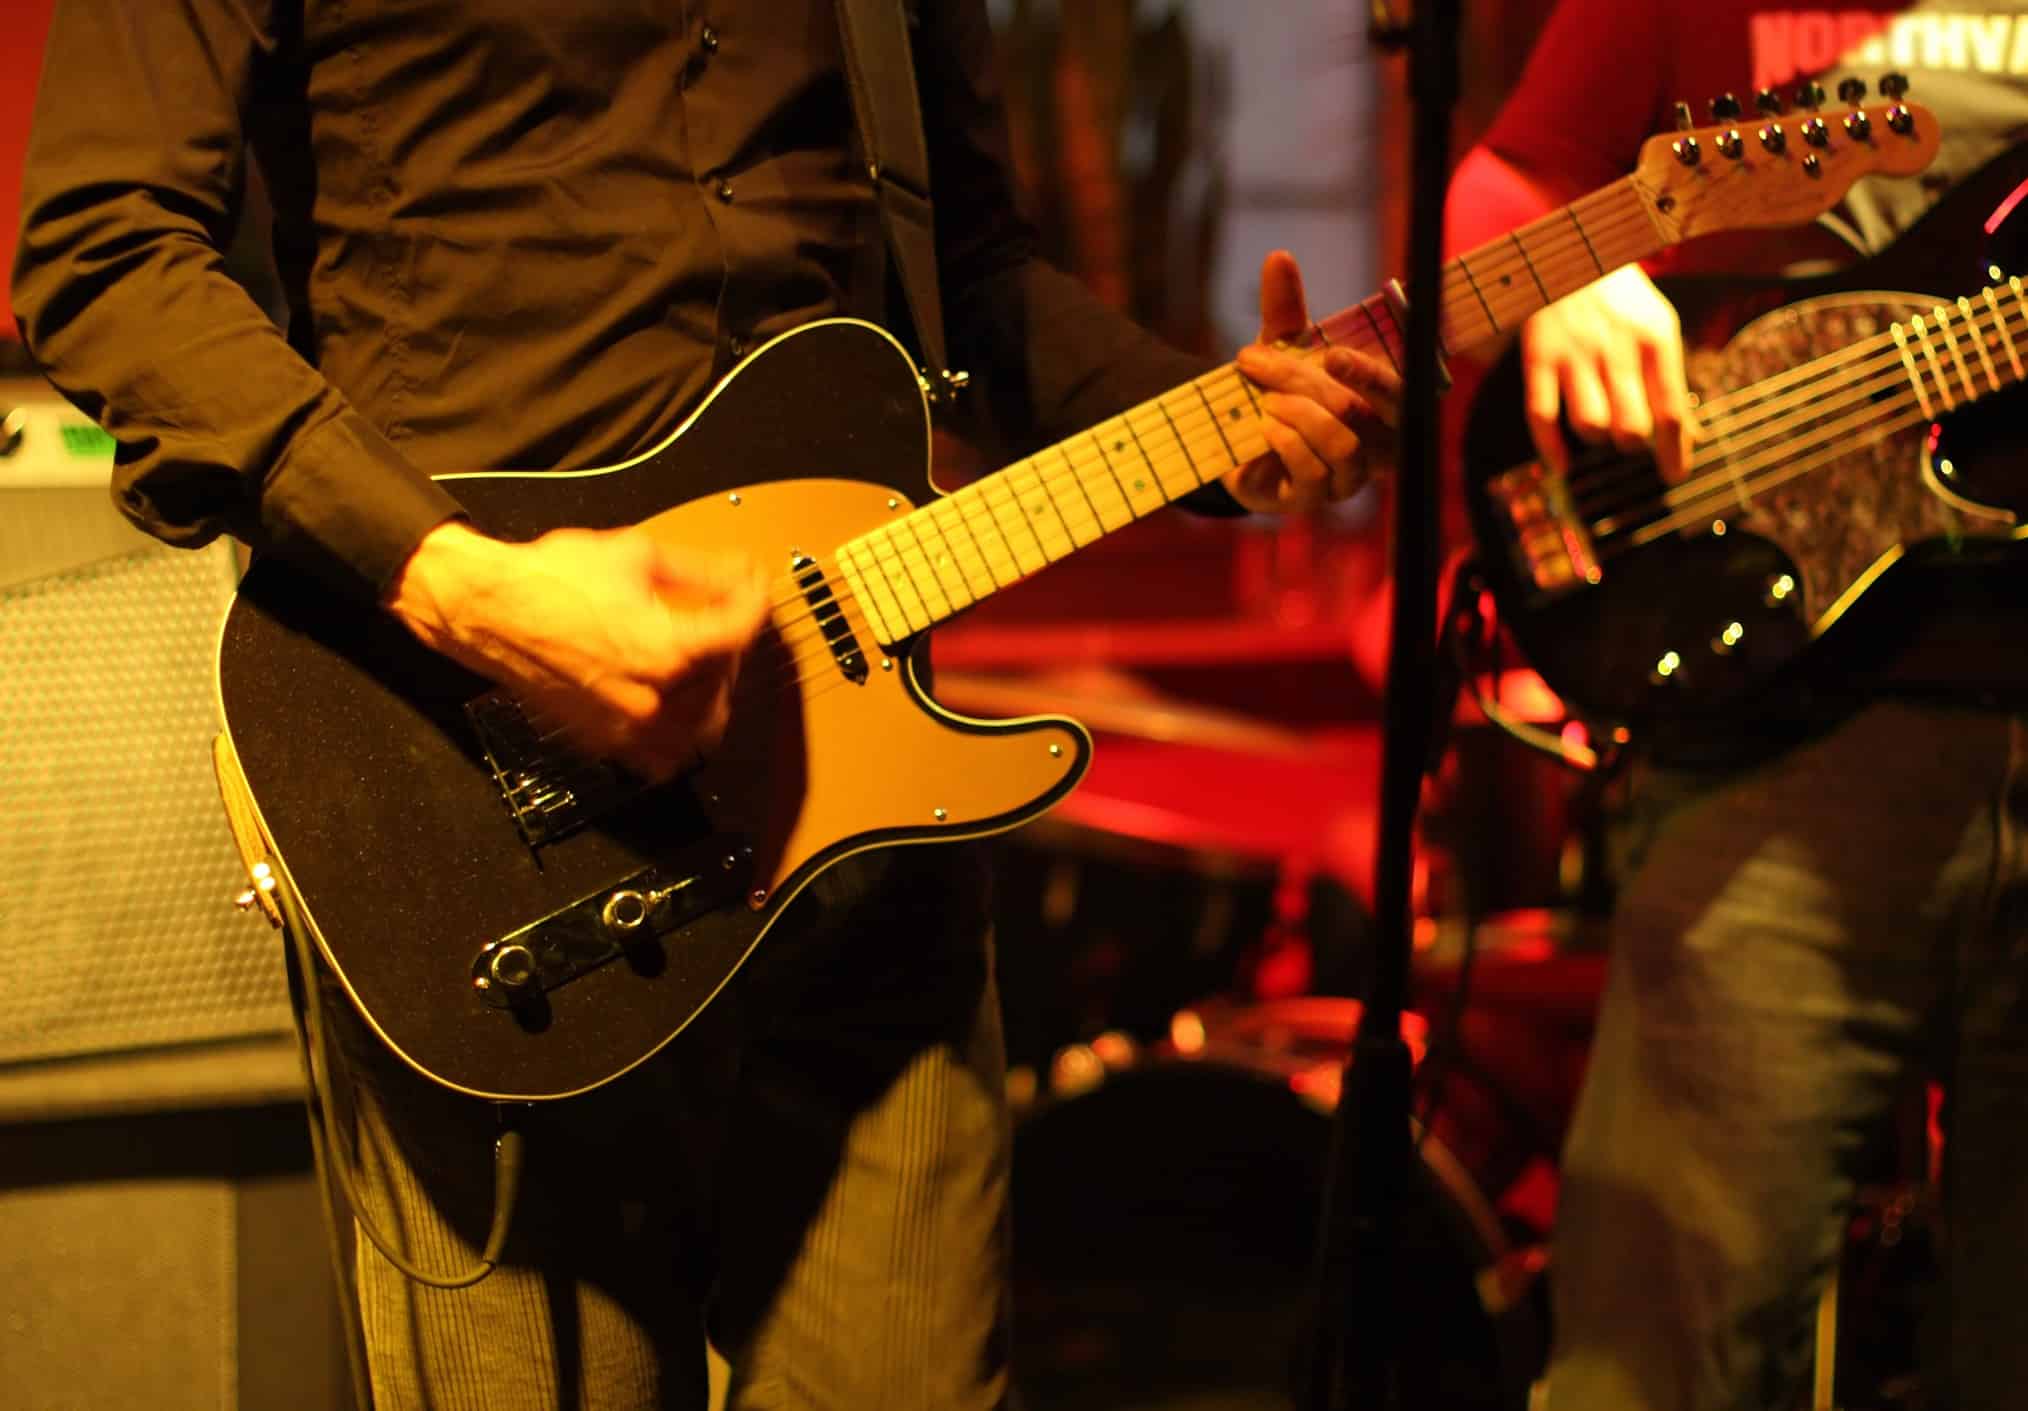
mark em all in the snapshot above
pixel 117 930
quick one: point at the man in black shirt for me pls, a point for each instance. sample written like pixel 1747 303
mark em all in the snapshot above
pixel 516 234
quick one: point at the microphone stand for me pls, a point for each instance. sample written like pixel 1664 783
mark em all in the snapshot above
pixel 1356 1364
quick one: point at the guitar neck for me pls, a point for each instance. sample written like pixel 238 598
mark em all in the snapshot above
pixel 933 563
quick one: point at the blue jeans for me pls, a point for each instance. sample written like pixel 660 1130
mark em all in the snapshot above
pixel 1797 942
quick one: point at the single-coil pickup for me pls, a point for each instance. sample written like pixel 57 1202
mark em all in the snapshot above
pixel 830 617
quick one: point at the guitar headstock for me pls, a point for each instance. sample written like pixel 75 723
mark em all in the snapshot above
pixel 1780 167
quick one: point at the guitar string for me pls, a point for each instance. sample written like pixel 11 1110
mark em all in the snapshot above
pixel 1192 426
pixel 1871 425
pixel 1460 277
pixel 1741 464
pixel 1194 420
pixel 1756 398
pixel 1554 254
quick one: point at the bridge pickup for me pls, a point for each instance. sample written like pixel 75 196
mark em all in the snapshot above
pixel 830 618
pixel 1551 547
pixel 628 918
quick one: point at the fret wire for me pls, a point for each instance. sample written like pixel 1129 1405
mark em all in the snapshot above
pixel 1042 483
pixel 1515 236
pixel 915 533
pixel 940 510
pixel 883 539
pixel 1366 308
pixel 1162 405
pixel 1128 421
pixel 1077 479
pixel 965 523
pixel 995 493
pixel 1586 238
pixel 1012 498
pixel 1463 263
pixel 1198 387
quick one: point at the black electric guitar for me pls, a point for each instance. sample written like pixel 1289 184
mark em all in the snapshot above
pixel 519 923
pixel 1839 434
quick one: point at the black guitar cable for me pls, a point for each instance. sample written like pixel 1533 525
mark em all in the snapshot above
pixel 330 1150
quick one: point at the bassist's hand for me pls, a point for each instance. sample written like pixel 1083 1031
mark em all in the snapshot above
pixel 1610 357
pixel 1329 420
pixel 630 647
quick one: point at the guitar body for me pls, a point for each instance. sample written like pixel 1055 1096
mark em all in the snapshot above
pixel 1697 622
pixel 393 827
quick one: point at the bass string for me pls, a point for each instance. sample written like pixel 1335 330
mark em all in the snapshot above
pixel 1779 416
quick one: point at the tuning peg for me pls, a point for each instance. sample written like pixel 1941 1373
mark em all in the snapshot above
pixel 1724 108
pixel 1851 90
pixel 1769 102
pixel 1683 120
pixel 1810 95
pixel 1893 86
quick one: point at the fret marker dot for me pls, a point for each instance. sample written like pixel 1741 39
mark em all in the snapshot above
pixel 1140 485
pixel 1234 413
pixel 1119 445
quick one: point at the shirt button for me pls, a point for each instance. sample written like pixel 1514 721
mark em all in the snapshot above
pixel 724 191
pixel 709 39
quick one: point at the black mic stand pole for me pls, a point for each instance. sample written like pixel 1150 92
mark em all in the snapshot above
pixel 1356 1366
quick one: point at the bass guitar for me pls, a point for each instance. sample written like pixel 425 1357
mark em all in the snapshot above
pixel 518 923
pixel 1838 435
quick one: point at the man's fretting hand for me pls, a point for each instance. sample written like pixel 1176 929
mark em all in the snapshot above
pixel 1329 422
pixel 631 647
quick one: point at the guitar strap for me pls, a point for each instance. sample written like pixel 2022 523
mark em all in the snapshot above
pixel 881 72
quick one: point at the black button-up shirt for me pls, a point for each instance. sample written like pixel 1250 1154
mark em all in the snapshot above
pixel 512 234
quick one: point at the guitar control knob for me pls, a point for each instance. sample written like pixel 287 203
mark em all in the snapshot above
pixel 1724 108
pixel 1774 139
pixel 1815 133
pixel 1769 102
pixel 1893 86
pixel 624 913
pixel 1851 90
pixel 1810 95
pixel 512 967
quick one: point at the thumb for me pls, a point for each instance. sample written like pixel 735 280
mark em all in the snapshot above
pixel 1283 310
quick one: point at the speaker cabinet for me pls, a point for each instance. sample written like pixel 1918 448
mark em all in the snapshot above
pixel 161 1237
pixel 117 931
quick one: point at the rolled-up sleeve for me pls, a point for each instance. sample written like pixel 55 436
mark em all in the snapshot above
pixel 132 186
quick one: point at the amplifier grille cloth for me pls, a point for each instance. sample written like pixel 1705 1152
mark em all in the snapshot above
pixel 116 871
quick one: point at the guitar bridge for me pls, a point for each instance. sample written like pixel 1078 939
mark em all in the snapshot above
pixel 550 791
pixel 1551 547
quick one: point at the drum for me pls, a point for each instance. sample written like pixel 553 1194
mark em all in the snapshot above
pixel 1166 1215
